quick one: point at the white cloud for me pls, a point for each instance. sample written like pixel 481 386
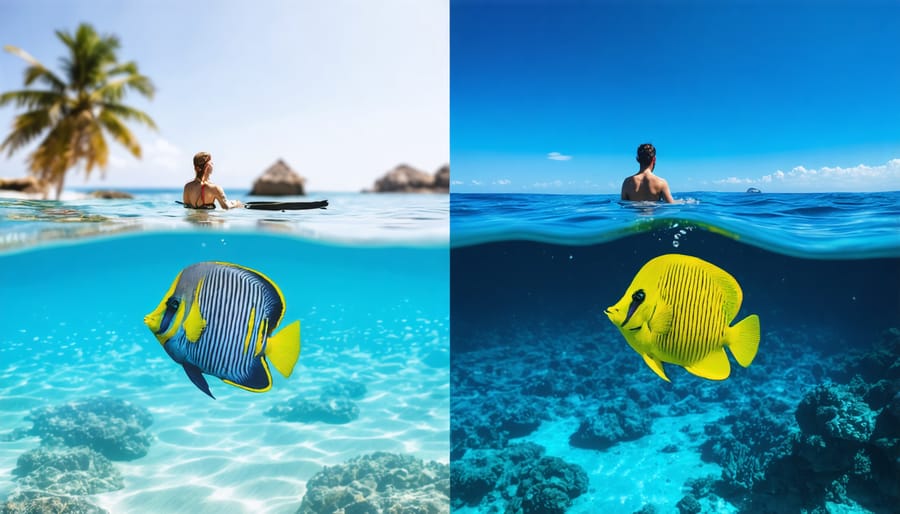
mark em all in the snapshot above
pixel 502 182
pixel 547 185
pixel 457 182
pixel 556 156
pixel 861 177
pixel 476 182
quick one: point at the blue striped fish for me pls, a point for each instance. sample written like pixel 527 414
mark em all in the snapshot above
pixel 678 309
pixel 217 318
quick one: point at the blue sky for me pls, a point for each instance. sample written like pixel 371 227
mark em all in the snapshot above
pixel 555 96
pixel 342 90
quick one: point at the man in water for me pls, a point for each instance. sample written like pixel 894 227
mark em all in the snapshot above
pixel 644 186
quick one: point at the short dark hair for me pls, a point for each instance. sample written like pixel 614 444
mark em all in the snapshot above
pixel 645 154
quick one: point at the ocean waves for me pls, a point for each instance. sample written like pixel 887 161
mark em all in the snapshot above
pixel 823 226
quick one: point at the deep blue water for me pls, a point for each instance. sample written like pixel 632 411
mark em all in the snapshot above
pixel 835 225
pixel 535 360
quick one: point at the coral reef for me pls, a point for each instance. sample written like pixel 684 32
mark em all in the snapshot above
pixel 379 483
pixel 75 471
pixel 842 446
pixel 33 502
pixel 539 484
pixel 112 427
pixel 616 421
pixel 335 405
pixel 335 411
pixel 78 441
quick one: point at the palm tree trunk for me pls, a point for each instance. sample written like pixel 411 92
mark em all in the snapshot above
pixel 59 185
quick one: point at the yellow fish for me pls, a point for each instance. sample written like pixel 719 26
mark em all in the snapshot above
pixel 678 310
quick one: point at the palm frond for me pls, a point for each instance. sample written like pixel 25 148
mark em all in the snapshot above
pixel 26 127
pixel 128 113
pixel 128 68
pixel 53 155
pixel 114 91
pixel 119 132
pixel 32 99
pixel 36 70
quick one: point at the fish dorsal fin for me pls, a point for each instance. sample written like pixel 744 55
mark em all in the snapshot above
pixel 656 366
pixel 283 348
pixel 661 321
pixel 195 324
pixel 714 366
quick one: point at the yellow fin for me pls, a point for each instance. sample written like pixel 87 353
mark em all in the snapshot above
pixel 194 323
pixel 661 322
pixel 283 348
pixel 656 366
pixel 743 339
pixel 714 366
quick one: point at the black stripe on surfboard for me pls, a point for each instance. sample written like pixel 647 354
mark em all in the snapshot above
pixel 281 206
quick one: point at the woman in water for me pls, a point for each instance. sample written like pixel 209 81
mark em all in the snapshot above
pixel 200 193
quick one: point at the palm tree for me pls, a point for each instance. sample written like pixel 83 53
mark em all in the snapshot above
pixel 72 114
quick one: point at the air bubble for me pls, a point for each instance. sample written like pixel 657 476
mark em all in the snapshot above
pixel 675 244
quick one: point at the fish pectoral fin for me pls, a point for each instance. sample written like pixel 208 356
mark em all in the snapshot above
pixel 194 324
pixel 196 376
pixel 714 366
pixel 656 365
pixel 743 339
pixel 283 348
pixel 661 322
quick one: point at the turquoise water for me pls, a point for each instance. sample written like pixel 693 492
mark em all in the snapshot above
pixel 552 411
pixel 354 219
pixel 367 279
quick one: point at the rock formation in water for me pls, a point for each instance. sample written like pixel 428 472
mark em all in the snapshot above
pixel 379 482
pixel 526 479
pixel 406 179
pixel 335 405
pixel 29 185
pixel 279 180
pixel 108 194
pixel 114 428
pixel 76 471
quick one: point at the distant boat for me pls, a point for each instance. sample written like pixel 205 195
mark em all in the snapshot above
pixel 753 190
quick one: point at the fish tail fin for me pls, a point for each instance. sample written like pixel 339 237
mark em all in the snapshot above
pixel 283 348
pixel 743 339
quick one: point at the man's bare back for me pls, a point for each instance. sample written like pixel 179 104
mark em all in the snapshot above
pixel 644 186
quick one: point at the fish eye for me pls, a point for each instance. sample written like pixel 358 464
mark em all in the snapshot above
pixel 638 296
pixel 171 308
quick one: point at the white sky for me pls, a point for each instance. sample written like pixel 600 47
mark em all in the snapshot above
pixel 342 90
